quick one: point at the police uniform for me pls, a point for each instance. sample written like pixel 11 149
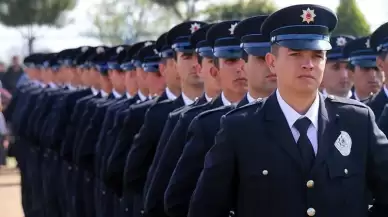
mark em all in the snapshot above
pixel 201 131
pixel 155 185
pixel 253 43
pixel 145 143
pixel 257 157
pixel 360 54
pixel 379 43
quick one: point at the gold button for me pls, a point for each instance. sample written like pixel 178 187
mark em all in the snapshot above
pixel 310 184
pixel 265 172
pixel 311 212
pixel 346 171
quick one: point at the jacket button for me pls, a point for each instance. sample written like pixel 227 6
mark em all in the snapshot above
pixel 265 172
pixel 346 171
pixel 310 184
pixel 311 212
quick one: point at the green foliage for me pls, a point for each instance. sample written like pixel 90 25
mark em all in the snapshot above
pixel 351 21
pixel 17 13
pixel 182 9
pixel 239 10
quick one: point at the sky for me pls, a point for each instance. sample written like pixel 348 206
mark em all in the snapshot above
pixel 12 43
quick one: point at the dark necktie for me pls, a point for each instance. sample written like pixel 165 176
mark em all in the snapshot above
pixel 304 145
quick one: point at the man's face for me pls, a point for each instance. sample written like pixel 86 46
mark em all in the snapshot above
pixel 336 79
pixel 367 80
pixel 170 73
pixel 231 76
pixel 297 70
pixel 185 66
pixel 141 77
pixel 382 63
pixel 118 79
pixel 155 82
pixel 204 72
pixel 259 76
pixel 131 81
pixel 15 60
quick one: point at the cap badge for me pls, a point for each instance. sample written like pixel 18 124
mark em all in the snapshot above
pixel 232 27
pixel 100 50
pixel 367 43
pixel 379 48
pixel 194 27
pixel 341 41
pixel 119 49
pixel 84 49
pixel 148 43
pixel 155 51
pixel 308 15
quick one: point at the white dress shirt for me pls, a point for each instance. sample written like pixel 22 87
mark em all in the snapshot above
pixel 250 98
pixel 169 94
pixel 208 99
pixel 141 96
pixel 225 101
pixel 116 94
pixel 386 91
pixel 325 94
pixel 104 94
pixel 94 91
pixel 292 116
pixel 186 99
pixel 128 95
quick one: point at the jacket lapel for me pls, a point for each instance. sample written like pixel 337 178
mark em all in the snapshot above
pixel 328 131
pixel 243 102
pixel 278 130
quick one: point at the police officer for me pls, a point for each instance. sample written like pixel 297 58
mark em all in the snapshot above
pixel 362 64
pixel 261 81
pixel 378 42
pixel 296 153
pixel 227 70
pixel 336 80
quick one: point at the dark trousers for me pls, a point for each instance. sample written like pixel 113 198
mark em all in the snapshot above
pixel 51 184
pixel 88 185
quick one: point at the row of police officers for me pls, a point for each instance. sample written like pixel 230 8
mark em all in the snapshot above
pixel 209 120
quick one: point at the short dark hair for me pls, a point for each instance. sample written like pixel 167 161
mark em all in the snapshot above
pixel 383 55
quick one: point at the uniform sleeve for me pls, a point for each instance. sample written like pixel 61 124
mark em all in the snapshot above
pixel 383 120
pixel 214 191
pixel 377 168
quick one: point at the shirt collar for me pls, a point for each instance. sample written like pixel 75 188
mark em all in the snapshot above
pixel 71 87
pixel 250 98
pixel 169 94
pixel 128 95
pixel 325 93
pixel 116 94
pixel 104 94
pixel 292 116
pixel 225 101
pixel 208 99
pixel 186 99
pixel 94 91
pixel 52 85
pixel 141 96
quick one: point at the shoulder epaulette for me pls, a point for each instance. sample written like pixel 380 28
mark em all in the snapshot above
pixel 253 106
pixel 334 99
pixel 213 111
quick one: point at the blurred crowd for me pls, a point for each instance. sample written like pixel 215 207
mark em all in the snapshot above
pixel 11 76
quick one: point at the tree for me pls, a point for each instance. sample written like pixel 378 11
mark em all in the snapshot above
pixel 122 21
pixel 351 21
pixel 239 10
pixel 34 13
pixel 182 9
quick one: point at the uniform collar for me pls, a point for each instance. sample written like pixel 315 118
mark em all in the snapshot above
pixel 292 116
pixel 94 91
pixel 169 94
pixel 141 96
pixel 225 101
pixel 186 99
pixel 52 85
pixel 116 94
pixel 128 95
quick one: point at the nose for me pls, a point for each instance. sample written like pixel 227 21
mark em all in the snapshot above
pixel 308 64
pixel 344 73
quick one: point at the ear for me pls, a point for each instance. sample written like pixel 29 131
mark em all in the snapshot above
pixel 162 69
pixel 214 72
pixel 270 59
pixel 198 69
pixel 380 63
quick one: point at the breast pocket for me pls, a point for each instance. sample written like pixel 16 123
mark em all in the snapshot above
pixel 347 181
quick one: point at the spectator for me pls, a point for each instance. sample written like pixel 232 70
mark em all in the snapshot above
pixel 13 74
pixel 2 70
